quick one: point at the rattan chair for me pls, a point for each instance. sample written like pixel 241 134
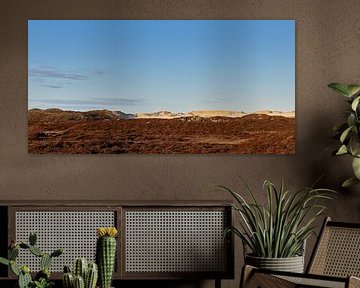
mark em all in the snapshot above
pixel 334 263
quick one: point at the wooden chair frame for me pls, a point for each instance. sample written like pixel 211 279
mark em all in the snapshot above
pixel 255 277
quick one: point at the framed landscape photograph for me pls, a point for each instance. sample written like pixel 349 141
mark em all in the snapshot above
pixel 161 86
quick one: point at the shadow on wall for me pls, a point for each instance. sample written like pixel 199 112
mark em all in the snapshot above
pixel 331 171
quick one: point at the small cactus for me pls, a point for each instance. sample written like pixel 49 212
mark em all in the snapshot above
pixel 89 272
pixel 91 276
pixel 80 268
pixel 67 269
pixel 14 268
pixel 106 254
pixel 68 280
pixel 24 278
pixel 45 261
pixel 79 282
pixel 36 251
pixel 13 253
pixel 32 238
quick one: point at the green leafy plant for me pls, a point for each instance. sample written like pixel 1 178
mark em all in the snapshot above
pixel 43 283
pixel 348 132
pixel 279 229
pixel 42 278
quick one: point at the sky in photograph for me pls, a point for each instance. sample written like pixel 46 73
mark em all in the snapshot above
pixel 153 65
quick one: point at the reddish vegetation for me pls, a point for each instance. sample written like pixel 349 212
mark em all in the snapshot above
pixel 60 132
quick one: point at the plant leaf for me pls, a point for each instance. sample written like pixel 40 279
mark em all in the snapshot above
pixel 353 89
pixel 351 120
pixel 356 167
pixel 340 88
pixel 349 182
pixel 354 145
pixel 279 228
pixel 355 103
pixel 4 261
pixel 342 150
pixel 345 134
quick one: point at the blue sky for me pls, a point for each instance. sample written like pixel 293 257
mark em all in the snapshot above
pixel 152 65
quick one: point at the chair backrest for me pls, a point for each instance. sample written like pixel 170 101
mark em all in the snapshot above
pixel 337 251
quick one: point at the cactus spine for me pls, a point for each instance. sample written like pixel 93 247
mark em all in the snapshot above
pixel 106 254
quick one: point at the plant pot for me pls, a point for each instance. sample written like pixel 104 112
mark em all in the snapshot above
pixel 291 264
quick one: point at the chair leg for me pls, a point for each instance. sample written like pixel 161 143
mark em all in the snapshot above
pixel 246 273
pixel 217 283
pixel 354 282
pixel 251 279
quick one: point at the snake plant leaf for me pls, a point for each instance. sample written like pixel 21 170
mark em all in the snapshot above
pixel 342 150
pixel 353 89
pixel 349 182
pixel 345 134
pixel 340 88
pixel 355 103
pixel 278 228
pixel 356 167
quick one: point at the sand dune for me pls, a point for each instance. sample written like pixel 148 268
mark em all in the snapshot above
pixel 217 113
pixel 160 115
pixel 289 114
pixel 211 113
pixel 107 114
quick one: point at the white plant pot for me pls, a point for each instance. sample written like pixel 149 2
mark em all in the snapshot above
pixel 291 264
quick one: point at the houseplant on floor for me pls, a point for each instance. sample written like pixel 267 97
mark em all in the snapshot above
pixel 276 233
pixel 349 131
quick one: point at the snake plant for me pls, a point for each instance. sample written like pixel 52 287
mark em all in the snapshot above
pixel 349 131
pixel 279 228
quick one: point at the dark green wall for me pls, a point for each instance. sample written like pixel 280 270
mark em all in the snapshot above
pixel 327 50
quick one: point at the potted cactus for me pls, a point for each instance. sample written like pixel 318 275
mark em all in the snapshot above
pixel 106 254
pixel 42 278
pixel 85 275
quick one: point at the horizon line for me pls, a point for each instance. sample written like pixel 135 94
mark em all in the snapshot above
pixel 164 110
